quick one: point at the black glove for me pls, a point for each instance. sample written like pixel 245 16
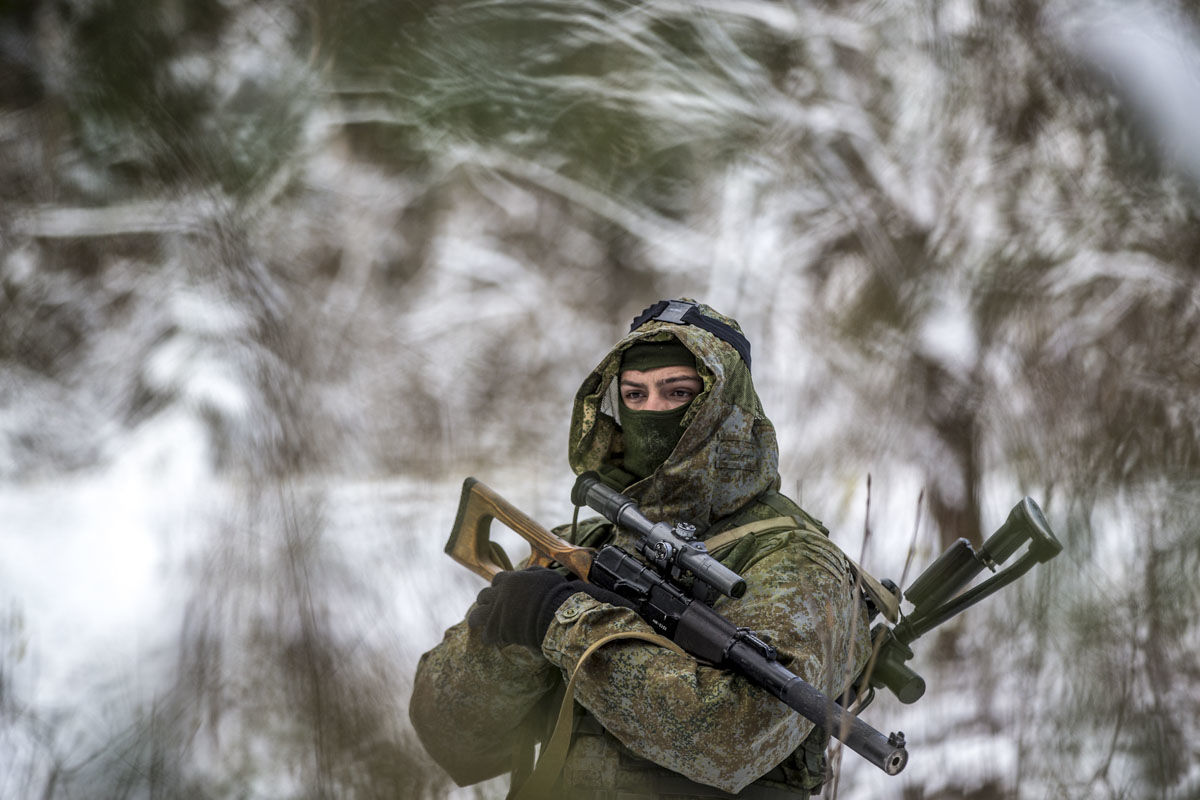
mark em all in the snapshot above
pixel 519 605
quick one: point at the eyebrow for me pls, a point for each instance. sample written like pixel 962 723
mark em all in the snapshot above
pixel 662 382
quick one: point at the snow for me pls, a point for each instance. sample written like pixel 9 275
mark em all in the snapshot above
pixel 132 515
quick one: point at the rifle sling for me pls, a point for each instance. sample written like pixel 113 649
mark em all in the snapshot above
pixel 541 782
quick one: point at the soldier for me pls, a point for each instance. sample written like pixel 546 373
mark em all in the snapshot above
pixel 670 418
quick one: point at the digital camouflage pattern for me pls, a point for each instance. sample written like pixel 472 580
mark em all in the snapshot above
pixel 727 454
pixel 473 704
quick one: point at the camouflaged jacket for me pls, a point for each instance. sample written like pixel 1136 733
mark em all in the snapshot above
pixel 473 703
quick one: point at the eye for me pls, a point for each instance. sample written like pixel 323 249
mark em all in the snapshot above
pixel 683 392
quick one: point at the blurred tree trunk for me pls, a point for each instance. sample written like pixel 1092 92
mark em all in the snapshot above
pixel 952 488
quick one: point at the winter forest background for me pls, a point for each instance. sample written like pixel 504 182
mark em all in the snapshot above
pixel 277 275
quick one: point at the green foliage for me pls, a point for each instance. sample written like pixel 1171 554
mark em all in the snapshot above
pixel 567 83
pixel 151 103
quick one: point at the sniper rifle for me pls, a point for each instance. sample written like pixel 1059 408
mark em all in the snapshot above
pixel 672 552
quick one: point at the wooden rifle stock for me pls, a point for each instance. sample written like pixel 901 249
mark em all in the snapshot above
pixel 470 541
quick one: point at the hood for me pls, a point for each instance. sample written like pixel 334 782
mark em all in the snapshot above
pixel 727 454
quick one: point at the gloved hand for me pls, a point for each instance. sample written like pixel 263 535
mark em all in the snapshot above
pixel 519 605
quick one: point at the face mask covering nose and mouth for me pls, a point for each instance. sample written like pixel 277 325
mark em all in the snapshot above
pixel 650 436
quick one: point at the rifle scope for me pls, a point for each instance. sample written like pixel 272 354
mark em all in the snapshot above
pixel 664 545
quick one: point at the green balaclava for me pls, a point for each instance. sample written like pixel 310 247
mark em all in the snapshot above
pixel 650 436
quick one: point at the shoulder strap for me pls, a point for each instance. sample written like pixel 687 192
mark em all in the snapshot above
pixel 541 782
pixel 770 503
pixel 885 600
pixel 721 540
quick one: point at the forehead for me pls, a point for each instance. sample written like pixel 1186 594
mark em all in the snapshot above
pixel 658 374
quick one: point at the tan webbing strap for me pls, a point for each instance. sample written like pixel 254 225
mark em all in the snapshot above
pixel 524 747
pixel 554 754
pixel 758 526
pixel 886 601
